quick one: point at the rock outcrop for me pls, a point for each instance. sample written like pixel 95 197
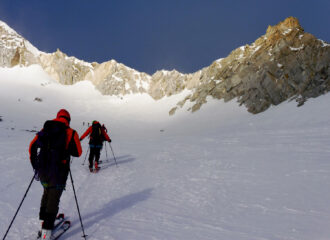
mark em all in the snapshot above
pixel 64 69
pixel 285 63
pixel 112 78
pixel 166 83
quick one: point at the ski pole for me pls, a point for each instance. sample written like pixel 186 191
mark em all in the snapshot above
pixel 75 196
pixel 20 205
pixel 106 152
pixel 113 155
pixel 85 156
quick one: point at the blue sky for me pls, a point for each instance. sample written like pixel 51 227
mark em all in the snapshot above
pixel 150 35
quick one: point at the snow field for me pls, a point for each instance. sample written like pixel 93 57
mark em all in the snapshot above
pixel 219 173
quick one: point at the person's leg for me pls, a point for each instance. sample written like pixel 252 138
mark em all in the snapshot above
pixel 97 155
pixel 91 157
pixel 52 205
pixel 43 205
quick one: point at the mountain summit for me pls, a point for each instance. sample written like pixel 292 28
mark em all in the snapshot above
pixel 285 63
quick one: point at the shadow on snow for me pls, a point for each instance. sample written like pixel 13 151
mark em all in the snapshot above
pixel 111 161
pixel 107 211
pixel 120 160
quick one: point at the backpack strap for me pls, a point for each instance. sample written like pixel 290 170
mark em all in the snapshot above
pixel 74 147
pixel 69 138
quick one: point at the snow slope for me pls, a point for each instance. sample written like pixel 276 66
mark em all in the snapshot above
pixel 217 174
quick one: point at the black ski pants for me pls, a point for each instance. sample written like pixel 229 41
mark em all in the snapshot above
pixel 49 206
pixel 94 152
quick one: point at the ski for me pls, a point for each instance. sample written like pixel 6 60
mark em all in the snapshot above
pixel 58 222
pixel 96 170
pixel 60 230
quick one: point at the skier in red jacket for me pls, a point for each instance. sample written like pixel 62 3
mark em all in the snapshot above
pixel 53 160
pixel 97 135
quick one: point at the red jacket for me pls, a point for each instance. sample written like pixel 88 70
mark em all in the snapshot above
pixel 89 131
pixel 76 151
pixel 57 176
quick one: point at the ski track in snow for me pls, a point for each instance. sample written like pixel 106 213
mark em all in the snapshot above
pixel 219 173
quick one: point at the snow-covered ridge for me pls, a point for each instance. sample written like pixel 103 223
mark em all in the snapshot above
pixel 7 28
pixel 324 44
pixel 14 40
pixel 249 65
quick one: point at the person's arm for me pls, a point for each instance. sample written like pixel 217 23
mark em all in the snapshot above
pixel 88 131
pixel 74 147
pixel 105 135
pixel 33 151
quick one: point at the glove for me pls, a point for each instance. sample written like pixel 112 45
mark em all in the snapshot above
pixel 80 139
pixel 109 141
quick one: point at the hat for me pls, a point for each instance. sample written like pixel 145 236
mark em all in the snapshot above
pixel 64 114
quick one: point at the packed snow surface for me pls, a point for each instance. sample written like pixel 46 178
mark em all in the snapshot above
pixel 217 174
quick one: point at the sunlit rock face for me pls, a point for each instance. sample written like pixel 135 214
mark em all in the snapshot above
pixel 284 63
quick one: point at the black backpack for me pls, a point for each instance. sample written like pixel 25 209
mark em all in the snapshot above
pixel 50 151
pixel 96 136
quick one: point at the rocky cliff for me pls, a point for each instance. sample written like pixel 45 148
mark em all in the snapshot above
pixel 285 63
